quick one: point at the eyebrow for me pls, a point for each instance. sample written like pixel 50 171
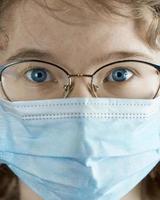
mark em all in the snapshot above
pixel 118 55
pixel 26 53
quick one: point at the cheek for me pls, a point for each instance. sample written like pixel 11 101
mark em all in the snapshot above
pixel 2 96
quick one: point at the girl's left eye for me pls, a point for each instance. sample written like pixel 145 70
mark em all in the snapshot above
pixel 119 75
pixel 38 75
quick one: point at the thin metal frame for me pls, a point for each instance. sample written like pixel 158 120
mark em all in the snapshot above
pixel 69 87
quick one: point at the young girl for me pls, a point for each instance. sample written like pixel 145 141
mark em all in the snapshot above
pixel 56 55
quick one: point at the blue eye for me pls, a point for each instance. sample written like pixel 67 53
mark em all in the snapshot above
pixel 120 74
pixel 38 75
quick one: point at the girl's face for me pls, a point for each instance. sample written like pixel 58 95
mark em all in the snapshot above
pixel 78 40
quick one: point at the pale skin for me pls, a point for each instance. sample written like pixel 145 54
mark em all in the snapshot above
pixel 77 48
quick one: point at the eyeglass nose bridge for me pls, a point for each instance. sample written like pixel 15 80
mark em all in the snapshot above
pixel 79 75
pixel 91 88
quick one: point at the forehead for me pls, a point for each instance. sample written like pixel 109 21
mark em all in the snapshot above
pixel 73 34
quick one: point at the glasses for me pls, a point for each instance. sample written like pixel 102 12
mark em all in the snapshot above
pixel 40 80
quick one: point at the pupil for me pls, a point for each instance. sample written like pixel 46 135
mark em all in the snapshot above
pixel 38 75
pixel 119 75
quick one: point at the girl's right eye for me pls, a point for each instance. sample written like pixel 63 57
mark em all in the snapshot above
pixel 38 75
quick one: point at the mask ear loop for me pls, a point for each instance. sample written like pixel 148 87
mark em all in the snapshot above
pixel 158 86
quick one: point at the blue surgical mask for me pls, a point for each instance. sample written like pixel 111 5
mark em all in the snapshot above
pixel 80 148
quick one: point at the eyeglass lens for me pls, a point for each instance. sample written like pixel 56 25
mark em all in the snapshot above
pixel 38 81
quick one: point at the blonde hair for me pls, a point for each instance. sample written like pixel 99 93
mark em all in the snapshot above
pixel 139 12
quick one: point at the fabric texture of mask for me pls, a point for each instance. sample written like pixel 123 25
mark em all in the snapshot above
pixel 80 148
